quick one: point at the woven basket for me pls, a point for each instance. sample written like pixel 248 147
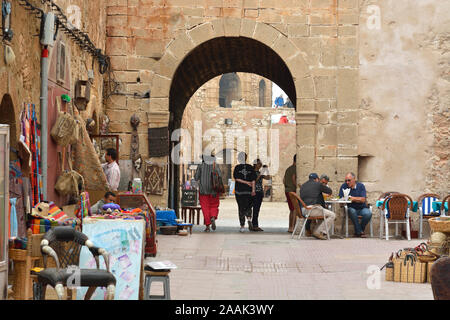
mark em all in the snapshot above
pixel 390 272
pixel 440 224
pixel 17 254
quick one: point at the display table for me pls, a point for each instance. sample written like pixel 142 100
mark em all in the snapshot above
pixel 124 240
pixel 131 201
pixel 333 203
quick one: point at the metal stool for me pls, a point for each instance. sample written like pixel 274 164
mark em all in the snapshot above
pixel 151 276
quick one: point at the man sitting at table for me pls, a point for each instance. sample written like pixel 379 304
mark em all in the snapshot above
pixel 311 194
pixel 358 206
pixel 109 197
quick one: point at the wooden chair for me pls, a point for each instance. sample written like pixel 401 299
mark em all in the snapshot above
pixel 396 210
pixel 383 196
pixel 296 200
pixel 190 212
pixel 425 208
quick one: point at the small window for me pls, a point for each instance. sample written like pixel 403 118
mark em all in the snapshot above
pixel 229 89
pixel 262 94
pixel 61 63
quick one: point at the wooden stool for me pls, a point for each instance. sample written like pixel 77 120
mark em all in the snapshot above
pixel 186 225
pixel 151 276
pixel 191 212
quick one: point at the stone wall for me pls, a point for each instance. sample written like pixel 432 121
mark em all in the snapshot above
pixel 370 77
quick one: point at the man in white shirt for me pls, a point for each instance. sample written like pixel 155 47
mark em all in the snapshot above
pixel 111 169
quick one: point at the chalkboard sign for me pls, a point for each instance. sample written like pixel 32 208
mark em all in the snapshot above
pixel 188 198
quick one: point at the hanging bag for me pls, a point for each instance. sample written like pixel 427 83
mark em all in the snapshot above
pixel 65 131
pixel 216 180
pixel 68 181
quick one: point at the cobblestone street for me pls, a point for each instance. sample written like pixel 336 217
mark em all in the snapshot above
pixel 226 264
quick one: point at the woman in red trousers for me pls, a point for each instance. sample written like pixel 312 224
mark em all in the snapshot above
pixel 209 199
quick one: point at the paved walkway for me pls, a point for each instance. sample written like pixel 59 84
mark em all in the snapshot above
pixel 226 264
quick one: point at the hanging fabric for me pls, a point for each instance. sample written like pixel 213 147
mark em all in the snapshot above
pixel 13 225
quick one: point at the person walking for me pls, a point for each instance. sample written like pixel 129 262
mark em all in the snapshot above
pixel 258 198
pixel 209 199
pixel 244 177
pixel 290 185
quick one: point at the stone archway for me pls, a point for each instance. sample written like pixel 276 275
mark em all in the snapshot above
pixel 8 116
pixel 232 45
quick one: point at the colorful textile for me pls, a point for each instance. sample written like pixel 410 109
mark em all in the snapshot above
pixel 56 214
pixel 13 219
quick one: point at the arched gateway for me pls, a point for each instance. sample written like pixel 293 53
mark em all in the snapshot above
pixel 232 45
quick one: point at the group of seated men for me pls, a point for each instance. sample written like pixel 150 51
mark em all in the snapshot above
pixel 311 192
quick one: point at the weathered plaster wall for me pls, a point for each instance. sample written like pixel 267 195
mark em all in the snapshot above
pixel 404 94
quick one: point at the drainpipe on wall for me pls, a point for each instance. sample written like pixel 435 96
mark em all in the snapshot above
pixel 44 118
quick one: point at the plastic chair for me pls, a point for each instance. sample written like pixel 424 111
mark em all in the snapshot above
pixel 425 208
pixel 64 245
pixel 300 214
pixel 396 210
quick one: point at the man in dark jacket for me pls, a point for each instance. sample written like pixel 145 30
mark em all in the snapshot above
pixel 311 193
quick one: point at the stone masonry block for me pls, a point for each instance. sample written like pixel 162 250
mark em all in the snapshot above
pixel 232 27
pixel 126 76
pixel 140 63
pixel 218 28
pixel 311 49
pixel 347 134
pixel 306 135
pixel 167 65
pixel 201 33
pixel 327 135
pixel 181 46
pixel 347 52
pixel 159 104
pixel 324 31
pixel 266 34
pixel 326 151
pixel 247 28
pixel 160 86
pixel 305 88
pixel 298 30
pixel 149 48
pixel 346 165
pixel 347 88
pixel 285 48
pixel 325 87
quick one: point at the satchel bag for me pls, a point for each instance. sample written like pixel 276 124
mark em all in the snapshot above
pixel 65 131
pixel 216 180
pixel 69 181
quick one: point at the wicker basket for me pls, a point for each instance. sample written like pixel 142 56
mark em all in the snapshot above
pixel 440 224
pixel 389 271
pixel 430 264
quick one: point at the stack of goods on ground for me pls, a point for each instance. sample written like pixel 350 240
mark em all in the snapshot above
pixel 414 265
pixel 168 224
